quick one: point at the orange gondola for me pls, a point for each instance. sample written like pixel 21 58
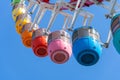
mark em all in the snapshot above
pixel 27 35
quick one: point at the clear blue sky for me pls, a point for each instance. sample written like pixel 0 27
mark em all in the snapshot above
pixel 19 63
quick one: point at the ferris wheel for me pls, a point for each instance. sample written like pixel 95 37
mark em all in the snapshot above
pixel 85 43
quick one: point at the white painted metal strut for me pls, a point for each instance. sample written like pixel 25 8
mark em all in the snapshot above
pixel 77 11
pixel 67 21
pixel 59 5
pixel 41 15
pixel 111 8
pixel 112 11
pixel 87 17
pixel 57 9
pixel 30 5
pixel 46 6
pixel 35 19
pixel 54 14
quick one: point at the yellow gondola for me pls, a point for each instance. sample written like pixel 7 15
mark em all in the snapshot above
pixel 20 22
pixel 18 9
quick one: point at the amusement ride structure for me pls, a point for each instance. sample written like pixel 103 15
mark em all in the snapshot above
pixel 84 44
